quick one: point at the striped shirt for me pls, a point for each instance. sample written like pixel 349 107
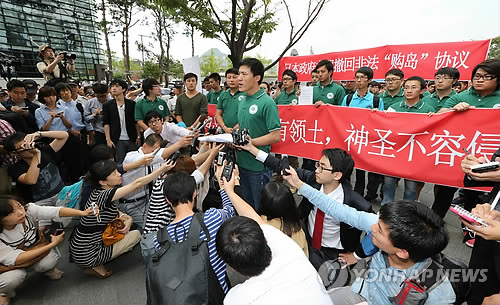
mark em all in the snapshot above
pixel 160 212
pixel 213 219
pixel 86 247
pixel 6 130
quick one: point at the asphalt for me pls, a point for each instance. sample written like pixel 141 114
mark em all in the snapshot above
pixel 127 284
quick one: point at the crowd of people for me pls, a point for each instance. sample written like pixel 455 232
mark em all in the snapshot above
pixel 129 155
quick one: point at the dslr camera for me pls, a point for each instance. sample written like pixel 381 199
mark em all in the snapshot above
pixel 240 137
pixel 68 55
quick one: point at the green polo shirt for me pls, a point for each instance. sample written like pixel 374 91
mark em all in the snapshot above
pixel 144 105
pixel 389 100
pixel 426 93
pixel 330 94
pixel 286 99
pixel 472 98
pixel 229 104
pixel 259 114
pixel 435 102
pixel 419 107
pixel 213 96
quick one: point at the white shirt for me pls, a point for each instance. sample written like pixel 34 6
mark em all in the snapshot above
pixel 289 279
pixel 123 124
pixel 171 103
pixel 170 132
pixel 141 171
pixel 331 226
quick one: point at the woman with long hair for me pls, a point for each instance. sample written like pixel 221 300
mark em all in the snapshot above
pixel 278 207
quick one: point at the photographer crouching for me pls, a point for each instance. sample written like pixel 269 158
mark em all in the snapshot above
pixel 55 69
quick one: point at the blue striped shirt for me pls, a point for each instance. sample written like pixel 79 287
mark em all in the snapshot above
pixel 213 219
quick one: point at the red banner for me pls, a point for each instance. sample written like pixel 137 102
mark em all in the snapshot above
pixel 408 145
pixel 414 59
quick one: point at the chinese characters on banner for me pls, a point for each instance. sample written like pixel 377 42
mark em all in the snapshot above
pixel 408 145
pixel 414 59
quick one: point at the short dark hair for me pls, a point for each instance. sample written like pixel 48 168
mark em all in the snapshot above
pixel 366 71
pixel 61 86
pixel 148 84
pixel 100 88
pixel 204 80
pixel 232 71
pixel 255 66
pixel 397 72
pixel 491 66
pixel 100 170
pixel 100 152
pixel 46 92
pixel 451 72
pixel 276 201
pixel 340 161
pixel 151 114
pixel 215 76
pixel 11 141
pixel 241 243
pixel 190 75
pixel 415 228
pixel 290 73
pixel 315 70
pixel 418 79
pixel 152 139
pixel 119 82
pixel 375 84
pixel 179 188
pixel 325 62
pixel 15 83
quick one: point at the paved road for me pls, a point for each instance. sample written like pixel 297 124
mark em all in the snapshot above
pixel 127 285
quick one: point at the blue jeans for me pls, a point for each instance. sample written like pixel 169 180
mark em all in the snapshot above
pixel 252 183
pixel 390 184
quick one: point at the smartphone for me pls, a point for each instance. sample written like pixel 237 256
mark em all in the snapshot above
pixel 175 156
pixel 58 232
pixel 227 172
pixel 468 216
pixel 285 164
pixel 485 167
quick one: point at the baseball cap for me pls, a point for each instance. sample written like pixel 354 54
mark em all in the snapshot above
pixel 31 86
pixel 72 81
pixel 3 92
pixel 178 85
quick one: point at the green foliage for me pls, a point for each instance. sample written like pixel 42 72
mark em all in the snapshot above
pixel 494 51
pixel 151 69
pixel 119 67
pixel 210 64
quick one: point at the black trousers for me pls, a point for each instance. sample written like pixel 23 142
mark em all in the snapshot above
pixel 374 180
pixel 485 255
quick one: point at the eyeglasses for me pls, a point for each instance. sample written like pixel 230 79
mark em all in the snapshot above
pixel 485 77
pixel 287 79
pixel 392 80
pixel 320 168
pixel 442 78
pixel 154 121
pixel 361 77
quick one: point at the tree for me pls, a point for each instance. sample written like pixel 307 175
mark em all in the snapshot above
pixel 210 64
pixel 162 34
pixel 123 12
pixel 119 70
pixel 105 28
pixel 242 25
pixel 494 51
pixel 152 69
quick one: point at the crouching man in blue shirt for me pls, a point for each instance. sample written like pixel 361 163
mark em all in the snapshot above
pixel 407 235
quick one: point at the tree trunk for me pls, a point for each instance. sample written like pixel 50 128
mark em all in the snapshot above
pixel 106 39
pixel 126 57
pixel 192 41
pixel 167 64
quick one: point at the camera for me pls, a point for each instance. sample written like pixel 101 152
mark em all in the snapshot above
pixel 41 145
pixel 220 158
pixel 240 137
pixel 175 156
pixel 68 55
pixel 227 172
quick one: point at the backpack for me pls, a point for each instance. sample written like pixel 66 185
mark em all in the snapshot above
pixel 69 197
pixel 376 100
pixel 180 272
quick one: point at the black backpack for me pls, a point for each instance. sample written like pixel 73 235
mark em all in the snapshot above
pixel 376 100
pixel 180 272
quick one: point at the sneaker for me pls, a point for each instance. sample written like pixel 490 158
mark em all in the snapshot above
pixel 470 242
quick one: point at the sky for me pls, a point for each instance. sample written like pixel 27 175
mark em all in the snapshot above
pixel 355 24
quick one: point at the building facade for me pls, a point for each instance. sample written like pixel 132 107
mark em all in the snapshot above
pixel 66 25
